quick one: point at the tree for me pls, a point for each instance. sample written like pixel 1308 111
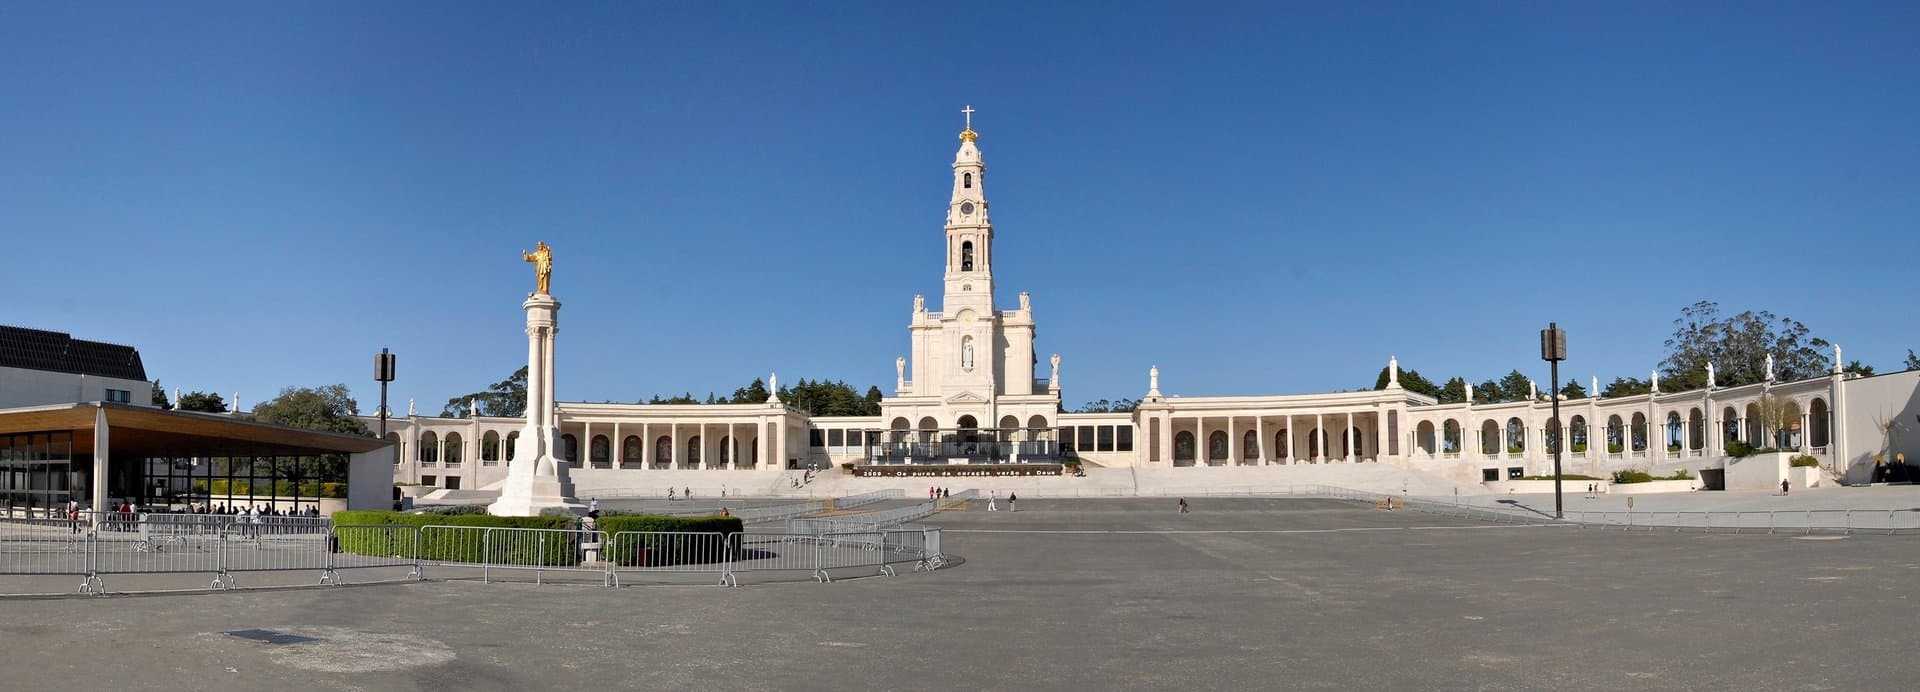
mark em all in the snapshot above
pixel 755 393
pixel 873 397
pixel 1453 392
pixel 202 402
pixel 1487 392
pixel 1104 406
pixel 1738 347
pixel 1516 387
pixel 1626 386
pixel 330 409
pixel 1777 413
pixel 1858 368
pixel 1573 390
pixel 160 397
pixel 1913 361
pixel 506 398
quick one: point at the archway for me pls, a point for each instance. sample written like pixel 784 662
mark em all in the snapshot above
pixel 1316 441
pixel 692 460
pixel 429 448
pixel 1637 433
pixel 927 429
pixel 1819 424
pixel 726 450
pixel 570 448
pixel 1490 438
pixel 1354 444
pixel 1696 429
pixel 600 452
pixel 1450 442
pixel 663 452
pixel 454 447
pixel 630 451
pixel 1676 432
pixel 1183 448
pixel 1577 435
pixel 1423 438
pixel 1755 436
pixel 1282 449
pixel 1516 436
pixel 490 447
pixel 1250 447
pixel 1729 425
pixel 1217 446
pixel 513 441
pixel 1616 435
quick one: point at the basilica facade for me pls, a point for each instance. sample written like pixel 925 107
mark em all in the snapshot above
pixel 971 392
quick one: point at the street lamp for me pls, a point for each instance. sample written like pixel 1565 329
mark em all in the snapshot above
pixel 1553 349
pixel 383 364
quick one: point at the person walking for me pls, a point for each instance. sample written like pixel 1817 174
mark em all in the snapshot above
pixel 1013 502
pixel 1183 505
pixel 1784 486
pixel 993 496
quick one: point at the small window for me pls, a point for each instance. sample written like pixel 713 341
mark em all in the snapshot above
pixel 1489 475
pixel 1106 438
pixel 835 438
pixel 453 482
pixel 1085 443
pixel 968 178
pixel 815 439
pixel 1126 439
pixel 119 396
pixel 431 481
pixel 1515 473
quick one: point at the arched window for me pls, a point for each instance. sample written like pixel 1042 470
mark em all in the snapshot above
pixel 663 452
pixel 1450 437
pixel 967 180
pixel 455 446
pixel 1577 435
pixel 1281 447
pixel 570 448
pixel 1423 437
pixel 693 452
pixel 1489 438
pixel 1314 440
pixel 1354 444
pixel 1638 432
pixel 1817 420
pixel 1552 435
pixel 1217 446
pixel 600 452
pixel 630 450
pixel 1697 429
pixel 1676 431
pixel 1616 435
pixel 1516 436
pixel 394 438
pixel 966 256
pixel 1183 448
pixel 513 439
pixel 726 450
pixel 490 447
pixel 1729 425
pixel 1250 446
pixel 429 448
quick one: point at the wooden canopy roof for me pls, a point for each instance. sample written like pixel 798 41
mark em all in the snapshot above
pixel 149 432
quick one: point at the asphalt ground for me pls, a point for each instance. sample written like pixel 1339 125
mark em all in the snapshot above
pixel 1074 595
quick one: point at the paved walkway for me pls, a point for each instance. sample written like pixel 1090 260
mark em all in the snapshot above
pixel 1894 497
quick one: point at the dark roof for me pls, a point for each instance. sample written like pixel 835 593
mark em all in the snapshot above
pixel 39 349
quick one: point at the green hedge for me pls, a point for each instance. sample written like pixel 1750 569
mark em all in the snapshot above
pixel 1564 477
pixel 1804 460
pixel 470 546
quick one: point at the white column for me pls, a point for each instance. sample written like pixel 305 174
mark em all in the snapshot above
pixel 646 448
pixel 1318 445
pixel 1233 442
pixel 101 459
pixel 1349 434
pixel 586 445
pixel 1261 444
pixel 674 453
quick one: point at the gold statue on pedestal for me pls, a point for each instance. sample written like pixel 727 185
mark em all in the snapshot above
pixel 542 259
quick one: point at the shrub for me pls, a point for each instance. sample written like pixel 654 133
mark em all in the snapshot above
pixel 847 466
pixel 1675 447
pixel 1614 448
pixel 1804 461
pixel 470 546
pixel 1564 477
pixel 1515 449
pixel 1631 476
pixel 1579 448
pixel 1679 475
pixel 1739 449
pixel 456 510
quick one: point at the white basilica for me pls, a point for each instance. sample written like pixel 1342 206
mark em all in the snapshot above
pixel 970 395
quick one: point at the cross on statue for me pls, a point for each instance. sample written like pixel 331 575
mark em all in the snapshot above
pixel 969 112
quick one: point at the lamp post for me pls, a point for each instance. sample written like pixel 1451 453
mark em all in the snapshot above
pixel 383 364
pixel 1553 349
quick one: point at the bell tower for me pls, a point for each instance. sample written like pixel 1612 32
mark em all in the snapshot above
pixel 969 279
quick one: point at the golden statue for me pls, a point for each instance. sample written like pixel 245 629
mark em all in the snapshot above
pixel 542 259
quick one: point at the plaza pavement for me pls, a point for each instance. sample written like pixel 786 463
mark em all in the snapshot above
pixel 1076 595
pixel 1889 497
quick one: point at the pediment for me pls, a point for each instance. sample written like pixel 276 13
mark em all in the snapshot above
pixel 966 398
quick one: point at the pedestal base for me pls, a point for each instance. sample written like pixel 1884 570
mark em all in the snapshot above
pixel 528 496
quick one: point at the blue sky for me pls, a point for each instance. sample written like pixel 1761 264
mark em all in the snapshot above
pixel 1259 198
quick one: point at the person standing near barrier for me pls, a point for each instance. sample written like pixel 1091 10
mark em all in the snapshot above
pixel 593 505
pixel 73 514
pixel 1013 502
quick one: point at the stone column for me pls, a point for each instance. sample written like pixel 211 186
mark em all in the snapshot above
pixel 1261 444
pixel 1233 442
pixel 535 480
pixel 1317 446
pixel 1349 435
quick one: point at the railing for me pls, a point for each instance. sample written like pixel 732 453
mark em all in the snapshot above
pixel 218 547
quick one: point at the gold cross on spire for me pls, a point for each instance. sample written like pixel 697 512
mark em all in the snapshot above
pixel 968 134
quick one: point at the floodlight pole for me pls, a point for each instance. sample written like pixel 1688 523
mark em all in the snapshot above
pixel 383 363
pixel 1553 349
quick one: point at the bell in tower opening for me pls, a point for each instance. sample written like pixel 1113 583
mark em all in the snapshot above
pixel 966 256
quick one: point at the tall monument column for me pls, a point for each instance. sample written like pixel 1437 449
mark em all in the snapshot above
pixel 536 478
